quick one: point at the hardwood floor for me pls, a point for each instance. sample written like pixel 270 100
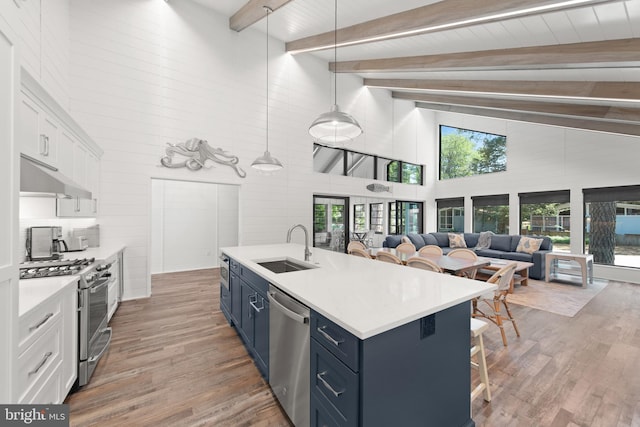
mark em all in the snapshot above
pixel 174 360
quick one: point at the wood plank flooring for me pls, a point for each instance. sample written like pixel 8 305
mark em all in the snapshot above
pixel 174 361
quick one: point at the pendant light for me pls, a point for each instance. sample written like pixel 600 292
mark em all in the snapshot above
pixel 335 127
pixel 266 163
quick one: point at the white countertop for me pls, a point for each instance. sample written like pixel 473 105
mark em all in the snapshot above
pixel 35 291
pixel 366 297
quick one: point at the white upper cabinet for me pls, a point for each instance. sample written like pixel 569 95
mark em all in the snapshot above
pixel 38 132
pixel 47 133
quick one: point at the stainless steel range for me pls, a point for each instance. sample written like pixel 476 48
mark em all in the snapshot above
pixel 94 336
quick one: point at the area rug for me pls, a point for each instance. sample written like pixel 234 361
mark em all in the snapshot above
pixel 560 298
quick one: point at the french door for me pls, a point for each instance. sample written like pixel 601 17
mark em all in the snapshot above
pixel 331 222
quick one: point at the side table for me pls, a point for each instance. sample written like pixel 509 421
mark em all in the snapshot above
pixel 584 261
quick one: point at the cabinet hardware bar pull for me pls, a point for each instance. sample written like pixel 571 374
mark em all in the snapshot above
pixel 329 337
pixel 256 308
pixel 320 376
pixel 42 322
pixel 41 364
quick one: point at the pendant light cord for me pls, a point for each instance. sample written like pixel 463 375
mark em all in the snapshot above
pixel 268 9
pixel 335 53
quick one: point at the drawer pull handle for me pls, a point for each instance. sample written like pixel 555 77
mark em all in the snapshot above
pixel 41 364
pixel 253 302
pixel 328 386
pixel 329 337
pixel 42 322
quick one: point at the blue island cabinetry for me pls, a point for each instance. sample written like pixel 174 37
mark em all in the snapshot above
pixel 414 375
pixel 247 308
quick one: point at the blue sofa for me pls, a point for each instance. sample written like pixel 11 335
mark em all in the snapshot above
pixel 502 246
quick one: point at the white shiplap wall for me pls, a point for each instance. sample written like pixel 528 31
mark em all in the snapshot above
pixel 148 72
pixel 42 27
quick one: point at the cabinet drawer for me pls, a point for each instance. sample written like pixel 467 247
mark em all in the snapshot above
pixel 47 393
pixel 33 324
pixel 39 360
pixel 234 266
pixel 334 384
pixel 257 282
pixel 336 339
pixel 321 416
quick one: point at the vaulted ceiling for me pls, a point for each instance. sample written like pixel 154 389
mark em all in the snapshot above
pixel 573 63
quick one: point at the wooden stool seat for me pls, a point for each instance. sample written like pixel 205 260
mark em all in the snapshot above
pixel 477 349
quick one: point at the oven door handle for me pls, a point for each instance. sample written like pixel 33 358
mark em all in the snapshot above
pixel 96 288
pixel 106 346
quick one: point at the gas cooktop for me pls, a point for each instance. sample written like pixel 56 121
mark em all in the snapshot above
pixel 38 269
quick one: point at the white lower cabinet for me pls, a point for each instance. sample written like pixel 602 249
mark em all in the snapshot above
pixel 115 285
pixel 48 340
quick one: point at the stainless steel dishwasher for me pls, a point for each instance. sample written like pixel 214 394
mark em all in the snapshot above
pixel 289 337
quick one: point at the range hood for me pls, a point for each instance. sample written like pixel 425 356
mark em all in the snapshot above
pixel 43 180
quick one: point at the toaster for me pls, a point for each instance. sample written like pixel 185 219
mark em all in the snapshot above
pixel 78 243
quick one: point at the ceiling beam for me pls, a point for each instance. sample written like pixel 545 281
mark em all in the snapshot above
pixel 443 15
pixel 252 12
pixel 609 53
pixel 584 111
pixel 622 91
pixel 625 128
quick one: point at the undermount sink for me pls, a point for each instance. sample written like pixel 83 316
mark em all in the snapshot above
pixel 284 265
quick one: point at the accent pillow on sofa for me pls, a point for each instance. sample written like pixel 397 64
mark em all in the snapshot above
pixel 457 241
pixel 484 240
pixel 528 245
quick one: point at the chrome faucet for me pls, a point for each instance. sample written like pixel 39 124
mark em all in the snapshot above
pixel 307 252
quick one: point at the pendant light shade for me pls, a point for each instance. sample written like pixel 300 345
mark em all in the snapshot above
pixel 266 163
pixel 335 127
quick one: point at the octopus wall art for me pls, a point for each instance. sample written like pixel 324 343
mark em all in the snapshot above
pixel 197 152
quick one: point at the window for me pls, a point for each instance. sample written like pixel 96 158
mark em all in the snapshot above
pixel 466 152
pixel 328 160
pixel 359 218
pixel 406 173
pixel 382 169
pixel 547 213
pixel 612 225
pixel 376 218
pixel 491 213
pixel 360 165
pixel 405 217
pixel 337 161
pixel 451 214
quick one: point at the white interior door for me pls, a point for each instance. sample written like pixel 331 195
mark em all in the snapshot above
pixel 190 222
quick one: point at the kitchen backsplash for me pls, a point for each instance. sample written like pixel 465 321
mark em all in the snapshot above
pixel 41 211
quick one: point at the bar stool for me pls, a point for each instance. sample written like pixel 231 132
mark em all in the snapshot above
pixel 477 348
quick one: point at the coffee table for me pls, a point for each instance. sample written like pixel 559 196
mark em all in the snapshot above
pixel 521 275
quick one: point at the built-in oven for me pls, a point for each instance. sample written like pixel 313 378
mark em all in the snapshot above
pixel 94 334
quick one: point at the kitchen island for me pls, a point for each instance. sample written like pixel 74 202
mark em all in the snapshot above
pixel 389 344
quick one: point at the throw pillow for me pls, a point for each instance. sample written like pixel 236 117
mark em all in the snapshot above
pixel 528 245
pixel 457 241
pixel 484 240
